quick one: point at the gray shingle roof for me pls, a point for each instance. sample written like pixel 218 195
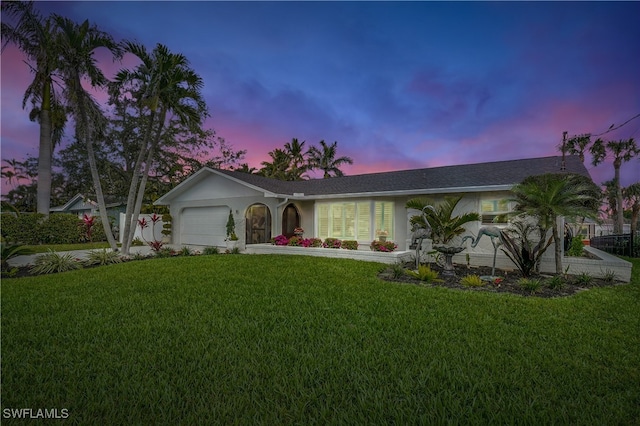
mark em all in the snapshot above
pixel 456 178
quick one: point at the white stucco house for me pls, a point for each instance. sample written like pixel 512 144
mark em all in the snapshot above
pixel 350 208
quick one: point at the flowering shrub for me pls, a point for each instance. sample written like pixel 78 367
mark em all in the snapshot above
pixel 312 242
pixel 280 240
pixel 350 245
pixel 386 246
pixel 332 243
pixel 88 222
pixel 295 241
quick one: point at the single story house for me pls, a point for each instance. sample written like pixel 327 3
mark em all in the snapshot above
pixel 358 207
pixel 80 205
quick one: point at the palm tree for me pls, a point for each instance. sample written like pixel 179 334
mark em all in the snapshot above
pixel 550 196
pixel 444 225
pixel 577 145
pixel 77 44
pixel 632 195
pixel 298 164
pixel 165 84
pixel 278 167
pixel 623 151
pixel 35 37
pixel 326 160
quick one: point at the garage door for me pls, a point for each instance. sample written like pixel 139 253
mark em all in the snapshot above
pixel 204 226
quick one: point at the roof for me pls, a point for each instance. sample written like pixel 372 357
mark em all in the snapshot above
pixel 497 175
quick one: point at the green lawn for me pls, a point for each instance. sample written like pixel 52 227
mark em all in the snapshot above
pixel 256 339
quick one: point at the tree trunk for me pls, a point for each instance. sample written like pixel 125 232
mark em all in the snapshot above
pixel 43 200
pixel 558 248
pixel 618 224
pixel 129 224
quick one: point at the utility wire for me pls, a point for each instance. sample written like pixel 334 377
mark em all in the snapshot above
pixel 612 128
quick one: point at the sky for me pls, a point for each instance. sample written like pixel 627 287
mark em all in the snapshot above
pixel 399 85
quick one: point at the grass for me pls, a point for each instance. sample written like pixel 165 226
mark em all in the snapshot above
pixel 43 248
pixel 303 340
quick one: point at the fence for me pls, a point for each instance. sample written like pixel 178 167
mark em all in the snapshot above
pixel 620 244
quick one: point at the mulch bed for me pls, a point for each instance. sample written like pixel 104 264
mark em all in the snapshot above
pixel 508 284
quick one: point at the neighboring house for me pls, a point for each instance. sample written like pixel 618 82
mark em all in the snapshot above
pixel 80 205
pixel 350 208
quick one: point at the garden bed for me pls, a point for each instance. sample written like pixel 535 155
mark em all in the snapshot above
pixel 508 282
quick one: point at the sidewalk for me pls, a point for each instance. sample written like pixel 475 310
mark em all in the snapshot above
pixel 79 254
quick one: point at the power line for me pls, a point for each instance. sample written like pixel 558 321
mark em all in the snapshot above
pixel 612 128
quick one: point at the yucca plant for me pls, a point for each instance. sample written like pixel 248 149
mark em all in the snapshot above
pixel 54 262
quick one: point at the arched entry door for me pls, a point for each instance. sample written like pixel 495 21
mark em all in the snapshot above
pixel 290 220
pixel 258 226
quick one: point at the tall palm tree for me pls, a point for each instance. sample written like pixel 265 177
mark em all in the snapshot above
pixel 164 84
pixel 35 37
pixel 622 151
pixel 550 196
pixel 77 44
pixel 297 157
pixel 278 167
pixel 326 160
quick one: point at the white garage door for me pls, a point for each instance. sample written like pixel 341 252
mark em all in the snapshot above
pixel 204 226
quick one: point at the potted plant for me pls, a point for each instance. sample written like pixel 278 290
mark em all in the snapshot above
pixel 298 232
pixel 232 238
pixel 382 234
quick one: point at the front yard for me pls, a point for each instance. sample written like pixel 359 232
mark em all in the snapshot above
pixel 277 339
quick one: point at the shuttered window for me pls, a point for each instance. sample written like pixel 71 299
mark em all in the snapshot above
pixel 354 220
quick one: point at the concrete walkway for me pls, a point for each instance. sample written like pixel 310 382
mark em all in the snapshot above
pixel 78 254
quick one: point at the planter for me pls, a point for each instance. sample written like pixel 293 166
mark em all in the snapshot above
pixel 232 244
pixel 382 238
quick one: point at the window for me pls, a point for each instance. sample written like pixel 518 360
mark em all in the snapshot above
pixel 354 220
pixel 491 210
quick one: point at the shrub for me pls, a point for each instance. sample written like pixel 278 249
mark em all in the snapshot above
pixel 472 281
pixel 577 247
pixel 332 243
pixel 164 252
pixel 137 242
pixel 280 240
pixel 350 245
pixel 210 250
pixel 384 246
pixel 62 228
pixel 9 251
pixel 185 251
pixel 54 262
pixel 312 242
pixel 529 284
pixel 609 276
pixel 156 245
pixel 584 278
pixel 425 273
pixel 295 241
pixel 556 282
pixel 102 257
pixel 397 270
pixel 22 229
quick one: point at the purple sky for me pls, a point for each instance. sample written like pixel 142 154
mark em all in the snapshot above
pixel 398 85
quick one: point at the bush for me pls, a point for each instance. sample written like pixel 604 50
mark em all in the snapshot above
pixel 584 278
pixel 556 282
pixel 22 229
pixel 185 251
pixel 280 240
pixel 332 243
pixel 137 242
pixel 425 273
pixel 529 284
pixel 62 228
pixel 577 247
pixel 210 250
pixel 472 281
pixel 295 241
pixel 54 262
pixel 312 242
pixel 102 257
pixel 384 246
pixel 350 245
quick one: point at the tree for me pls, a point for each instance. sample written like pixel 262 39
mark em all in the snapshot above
pixel 444 225
pixel 298 164
pixel 632 197
pixel 78 43
pixel 577 145
pixel 326 160
pixel 550 196
pixel 162 84
pixel 622 151
pixel 278 167
pixel 36 38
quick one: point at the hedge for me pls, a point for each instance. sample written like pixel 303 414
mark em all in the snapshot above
pixel 59 228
